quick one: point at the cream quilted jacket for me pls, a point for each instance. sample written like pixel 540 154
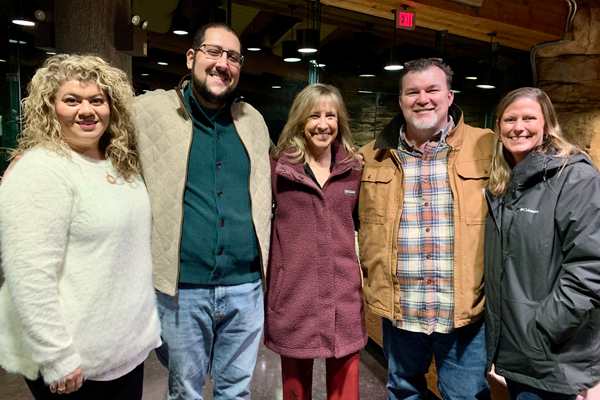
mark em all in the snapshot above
pixel 165 131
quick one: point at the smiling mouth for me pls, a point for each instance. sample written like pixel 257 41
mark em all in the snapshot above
pixel 519 138
pixel 219 77
pixel 87 123
pixel 423 111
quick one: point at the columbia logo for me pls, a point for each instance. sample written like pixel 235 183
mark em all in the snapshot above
pixel 350 192
pixel 528 210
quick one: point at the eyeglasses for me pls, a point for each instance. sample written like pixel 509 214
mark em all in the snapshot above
pixel 434 59
pixel 214 52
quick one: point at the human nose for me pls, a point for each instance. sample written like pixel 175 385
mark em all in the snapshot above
pixel 85 108
pixel 519 125
pixel 222 61
pixel 322 123
pixel 422 98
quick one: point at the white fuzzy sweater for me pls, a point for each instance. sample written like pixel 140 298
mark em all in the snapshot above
pixel 78 268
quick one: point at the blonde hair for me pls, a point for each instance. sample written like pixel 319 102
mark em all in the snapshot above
pixel 293 132
pixel 553 141
pixel 41 127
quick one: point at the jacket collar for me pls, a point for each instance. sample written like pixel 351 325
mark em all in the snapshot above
pixel 339 167
pixel 389 136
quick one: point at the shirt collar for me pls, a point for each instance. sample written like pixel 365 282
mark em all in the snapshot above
pixel 438 137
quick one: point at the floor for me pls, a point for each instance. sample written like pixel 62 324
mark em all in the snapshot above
pixel 266 384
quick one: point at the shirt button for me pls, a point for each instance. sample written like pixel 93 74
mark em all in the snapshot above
pixel 220 194
pixel 220 251
pixel 426 204
pixel 281 169
pixel 300 176
pixel 428 281
pixel 428 256
pixel 222 223
pixel 427 229
pixel 218 136
pixel 218 165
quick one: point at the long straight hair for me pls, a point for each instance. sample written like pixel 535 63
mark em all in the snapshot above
pixel 292 135
pixel 553 141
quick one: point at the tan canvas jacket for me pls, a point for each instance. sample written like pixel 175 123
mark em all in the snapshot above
pixel 380 207
pixel 165 131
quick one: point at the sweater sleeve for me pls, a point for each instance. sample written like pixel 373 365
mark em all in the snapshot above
pixel 35 216
pixel 577 219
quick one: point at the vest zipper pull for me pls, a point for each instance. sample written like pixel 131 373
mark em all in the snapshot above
pixel 176 299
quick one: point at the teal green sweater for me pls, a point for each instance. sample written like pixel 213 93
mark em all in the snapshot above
pixel 218 243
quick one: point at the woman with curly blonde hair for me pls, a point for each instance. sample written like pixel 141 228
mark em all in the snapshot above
pixel 75 223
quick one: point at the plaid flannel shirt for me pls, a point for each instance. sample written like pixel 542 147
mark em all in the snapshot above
pixel 425 268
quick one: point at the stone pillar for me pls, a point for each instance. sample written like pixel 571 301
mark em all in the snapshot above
pixel 570 74
pixel 84 26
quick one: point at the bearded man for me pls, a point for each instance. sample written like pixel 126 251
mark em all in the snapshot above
pixel 205 157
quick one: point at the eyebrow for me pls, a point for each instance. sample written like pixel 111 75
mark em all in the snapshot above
pixel 78 96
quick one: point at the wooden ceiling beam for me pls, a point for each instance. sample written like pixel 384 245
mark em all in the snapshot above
pixel 518 24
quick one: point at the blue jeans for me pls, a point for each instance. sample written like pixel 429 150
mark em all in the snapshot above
pixel 519 391
pixel 214 329
pixel 460 359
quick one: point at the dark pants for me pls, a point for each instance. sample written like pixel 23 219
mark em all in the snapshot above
pixel 460 360
pixel 519 391
pixel 127 387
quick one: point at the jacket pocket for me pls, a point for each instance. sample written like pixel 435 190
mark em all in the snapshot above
pixel 473 179
pixel 374 192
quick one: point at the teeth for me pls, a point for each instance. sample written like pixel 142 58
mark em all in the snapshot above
pixel 518 139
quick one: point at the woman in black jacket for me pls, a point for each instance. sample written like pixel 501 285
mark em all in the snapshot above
pixel 542 254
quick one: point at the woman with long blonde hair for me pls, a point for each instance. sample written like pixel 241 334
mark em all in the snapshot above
pixel 542 254
pixel 77 309
pixel 314 307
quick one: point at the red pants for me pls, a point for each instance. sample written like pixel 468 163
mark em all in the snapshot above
pixel 342 378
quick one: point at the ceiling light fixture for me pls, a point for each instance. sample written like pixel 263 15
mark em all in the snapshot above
pixel 487 82
pixel 253 42
pixel 290 47
pixel 393 65
pixel 181 25
pixel 308 39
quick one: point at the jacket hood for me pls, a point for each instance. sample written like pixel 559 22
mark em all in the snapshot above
pixel 388 138
pixel 538 166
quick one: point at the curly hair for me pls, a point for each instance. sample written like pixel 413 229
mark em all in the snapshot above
pixel 41 126
pixel 292 135
pixel 553 141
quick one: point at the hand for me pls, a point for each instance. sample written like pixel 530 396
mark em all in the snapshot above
pixel 72 383
pixel 11 165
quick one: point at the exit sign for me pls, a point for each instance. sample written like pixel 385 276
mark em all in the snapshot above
pixel 405 20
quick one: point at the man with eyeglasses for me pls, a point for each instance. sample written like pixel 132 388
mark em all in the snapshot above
pixel 205 157
pixel 422 214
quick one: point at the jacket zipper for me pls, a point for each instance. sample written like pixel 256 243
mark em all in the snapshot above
pixel 176 297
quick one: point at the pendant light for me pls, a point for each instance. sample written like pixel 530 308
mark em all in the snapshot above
pixel 181 25
pixel 253 42
pixel 487 82
pixel 308 39
pixel 290 48
pixel 394 65
pixel 20 17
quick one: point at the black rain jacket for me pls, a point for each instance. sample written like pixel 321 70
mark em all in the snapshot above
pixel 542 275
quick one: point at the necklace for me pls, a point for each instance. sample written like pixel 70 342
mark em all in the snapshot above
pixel 111 179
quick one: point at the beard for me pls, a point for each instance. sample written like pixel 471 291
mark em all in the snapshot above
pixel 201 89
pixel 424 125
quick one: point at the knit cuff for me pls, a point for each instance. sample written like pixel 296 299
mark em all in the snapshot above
pixel 61 367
